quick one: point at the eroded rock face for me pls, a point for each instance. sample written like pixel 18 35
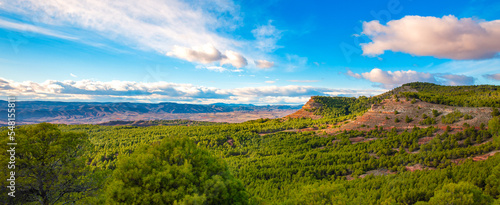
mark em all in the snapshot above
pixel 307 110
pixel 311 105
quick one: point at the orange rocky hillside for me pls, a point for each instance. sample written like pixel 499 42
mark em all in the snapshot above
pixel 385 113
pixel 307 110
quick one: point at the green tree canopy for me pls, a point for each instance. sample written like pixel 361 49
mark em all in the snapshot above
pixel 494 126
pixel 50 165
pixel 461 193
pixel 174 171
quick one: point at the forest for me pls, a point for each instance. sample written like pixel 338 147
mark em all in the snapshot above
pixel 268 161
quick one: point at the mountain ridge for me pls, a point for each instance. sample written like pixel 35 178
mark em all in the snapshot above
pixel 29 112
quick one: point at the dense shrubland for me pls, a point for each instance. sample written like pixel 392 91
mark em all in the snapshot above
pixel 464 96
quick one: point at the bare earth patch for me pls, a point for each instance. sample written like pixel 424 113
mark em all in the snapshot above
pixel 384 115
pixel 415 167
pixel 476 158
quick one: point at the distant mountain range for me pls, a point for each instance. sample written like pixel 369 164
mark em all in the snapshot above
pixel 28 112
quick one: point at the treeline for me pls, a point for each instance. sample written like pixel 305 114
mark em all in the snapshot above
pixel 464 96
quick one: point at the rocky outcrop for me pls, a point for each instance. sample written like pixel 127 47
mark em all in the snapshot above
pixel 311 105
pixel 307 110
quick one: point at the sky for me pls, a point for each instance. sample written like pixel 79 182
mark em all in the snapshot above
pixel 250 52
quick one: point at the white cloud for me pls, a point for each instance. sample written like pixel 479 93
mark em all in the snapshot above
pixel 73 75
pixel 164 91
pixel 266 37
pixel 270 81
pixel 203 54
pixel 446 37
pixel 354 75
pixel 397 77
pixel 234 59
pixel 263 64
pixel 207 54
pixel 23 27
pixel 492 76
pixel 389 79
pixel 159 25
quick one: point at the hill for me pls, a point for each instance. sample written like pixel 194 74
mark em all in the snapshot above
pixel 412 102
pixel 403 115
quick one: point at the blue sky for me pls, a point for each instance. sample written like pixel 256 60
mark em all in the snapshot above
pixel 260 52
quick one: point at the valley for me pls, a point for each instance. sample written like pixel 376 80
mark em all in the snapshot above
pixel 31 112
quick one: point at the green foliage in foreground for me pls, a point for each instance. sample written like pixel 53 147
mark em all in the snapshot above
pixel 460 193
pixel 49 166
pixel 173 171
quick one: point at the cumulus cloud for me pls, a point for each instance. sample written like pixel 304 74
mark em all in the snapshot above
pixel 446 37
pixel 492 76
pixel 267 37
pixel 263 64
pixel 203 54
pixel 389 79
pixel 207 54
pixel 164 91
pixel 397 78
pixel 352 74
pixel 233 58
